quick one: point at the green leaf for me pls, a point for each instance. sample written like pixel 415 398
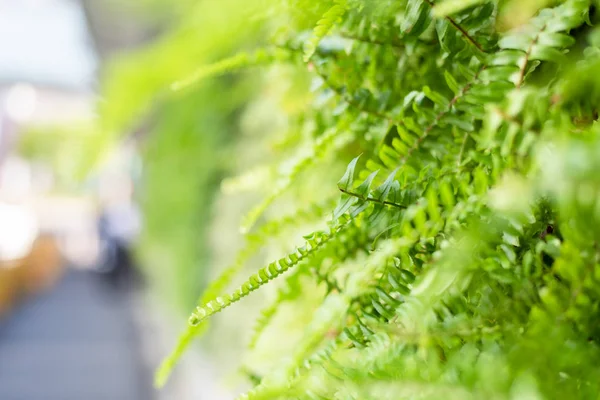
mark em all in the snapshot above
pixel 507 57
pixel 364 188
pixel 516 41
pixel 383 190
pixel 451 82
pixel 416 18
pixel 324 25
pixel 345 203
pixel 556 40
pixel 436 97
pixel 346 182
pixel 546 54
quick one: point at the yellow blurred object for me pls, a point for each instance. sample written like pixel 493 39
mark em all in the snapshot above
pixel 9 284
pixel 42 266
pixel 29 275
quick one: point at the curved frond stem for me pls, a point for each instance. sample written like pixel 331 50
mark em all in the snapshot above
pixel 523 66
pixel 255 240
pixel 264 275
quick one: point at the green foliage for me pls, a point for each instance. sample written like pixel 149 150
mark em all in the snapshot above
pixel 174 224
pixel 183 136
pixel 462 259
pixel 329 19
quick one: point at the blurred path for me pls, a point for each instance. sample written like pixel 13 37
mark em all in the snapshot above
pixel 75 342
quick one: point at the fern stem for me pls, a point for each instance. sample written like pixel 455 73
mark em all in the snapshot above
pixel 371 199
pixel 459 28
pixel 523 66
pixel 462 149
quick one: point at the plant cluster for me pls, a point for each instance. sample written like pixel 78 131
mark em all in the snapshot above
pixel 461 259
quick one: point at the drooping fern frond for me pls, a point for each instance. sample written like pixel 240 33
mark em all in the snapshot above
pixel 210 307
pixel 329 316
pixel 263 276
pixel 257 239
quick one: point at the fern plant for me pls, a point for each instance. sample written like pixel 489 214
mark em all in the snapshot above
pixel 462 257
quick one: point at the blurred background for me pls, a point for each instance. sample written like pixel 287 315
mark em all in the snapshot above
pixel 120 198
pixel 106 189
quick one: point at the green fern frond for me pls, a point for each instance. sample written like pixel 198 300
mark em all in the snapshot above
pixel 409 137
pixel 460 30
pixel 543 39
pixel 324 25
pixel 327 317
pixel 264 275
pixel 234 63
pixel 255 240
pixel 313 243
pixel 166 367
